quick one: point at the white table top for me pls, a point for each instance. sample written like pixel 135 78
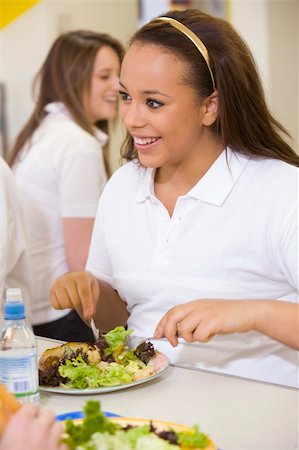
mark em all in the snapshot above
pixel 238 414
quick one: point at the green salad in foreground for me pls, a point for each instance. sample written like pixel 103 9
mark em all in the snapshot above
pixel 107 362
pixel 97 432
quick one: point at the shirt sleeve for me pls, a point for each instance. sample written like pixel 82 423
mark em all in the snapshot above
pixel 82 178
pixel 98 262
pixel 288 250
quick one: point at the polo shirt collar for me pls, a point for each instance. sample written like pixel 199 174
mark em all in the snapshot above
pixel 59 107
pixel 101 136
pixel 213 187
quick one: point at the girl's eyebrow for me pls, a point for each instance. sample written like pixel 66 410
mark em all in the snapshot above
pixel 148 92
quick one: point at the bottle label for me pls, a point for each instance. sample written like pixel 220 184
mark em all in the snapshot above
pixel 19 373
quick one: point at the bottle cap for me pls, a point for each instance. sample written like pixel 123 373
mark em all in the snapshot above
pixel 14 307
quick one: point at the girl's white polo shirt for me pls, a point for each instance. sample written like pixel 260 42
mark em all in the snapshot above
pixel 60 174
pixel 234 235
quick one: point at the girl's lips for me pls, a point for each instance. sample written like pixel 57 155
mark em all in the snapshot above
pixel 147 146
pixel 145 143
pixel 145 140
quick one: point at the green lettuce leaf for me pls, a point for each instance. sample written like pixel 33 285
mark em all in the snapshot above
pixel 127 357
pixel 114 374
pixel 193 439
pixel 79 374
pixel 115 338
pixel 122 441
pixel 134 434
pixel 94 421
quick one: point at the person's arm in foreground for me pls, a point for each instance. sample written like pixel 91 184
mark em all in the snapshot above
pixel 77 230
pixel 32 428
pixel 91 298
pixel 201 320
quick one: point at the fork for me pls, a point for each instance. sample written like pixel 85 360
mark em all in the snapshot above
pixel 96 332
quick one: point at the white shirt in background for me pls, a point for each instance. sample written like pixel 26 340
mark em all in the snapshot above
pixel 60 175
pixel 234 235
pixel 14 258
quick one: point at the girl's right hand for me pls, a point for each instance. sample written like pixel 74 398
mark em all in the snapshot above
pixel 77 290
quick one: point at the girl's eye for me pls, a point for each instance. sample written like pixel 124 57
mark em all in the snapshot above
pixel 124 96
pixel 102 75
pixel 153 103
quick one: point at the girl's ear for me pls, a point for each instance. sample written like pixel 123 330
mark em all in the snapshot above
pixel 211 109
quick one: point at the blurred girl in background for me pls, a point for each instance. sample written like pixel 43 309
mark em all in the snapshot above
pixel 61 165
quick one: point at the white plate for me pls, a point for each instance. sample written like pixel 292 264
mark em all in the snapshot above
pixel 160 363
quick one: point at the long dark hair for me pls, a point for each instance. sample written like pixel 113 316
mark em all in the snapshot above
pixel 244 123
pixel 64 76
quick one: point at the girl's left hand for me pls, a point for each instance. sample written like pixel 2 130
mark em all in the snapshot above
pixel 201 320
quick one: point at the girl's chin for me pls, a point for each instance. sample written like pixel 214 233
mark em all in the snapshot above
pixel 148 162
pixel 107 115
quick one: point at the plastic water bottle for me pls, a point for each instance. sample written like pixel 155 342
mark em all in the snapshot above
pixel 18 351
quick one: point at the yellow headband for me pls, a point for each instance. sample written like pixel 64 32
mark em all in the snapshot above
pixel 193 38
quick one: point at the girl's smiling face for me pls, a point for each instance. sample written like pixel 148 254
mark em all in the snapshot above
pixel 100 101
pixel 163 114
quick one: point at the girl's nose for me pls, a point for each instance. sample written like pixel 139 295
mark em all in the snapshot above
pixel 131 115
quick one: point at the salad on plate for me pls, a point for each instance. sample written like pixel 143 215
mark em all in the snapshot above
pixel 107 363
pixel 97 432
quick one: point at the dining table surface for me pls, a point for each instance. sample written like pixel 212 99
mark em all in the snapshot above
pixel 237 413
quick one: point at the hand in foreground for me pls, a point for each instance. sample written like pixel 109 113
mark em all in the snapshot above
pixel 201 320
pixel 78 290
pixel 32 428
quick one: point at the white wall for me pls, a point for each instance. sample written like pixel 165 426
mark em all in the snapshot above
pixel 270 27
pixel 152 8
pixel 250 19
pixel 284 63
pixel 25 42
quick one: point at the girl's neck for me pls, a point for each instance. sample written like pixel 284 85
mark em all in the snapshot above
pixel 174 181
pixel 186 175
